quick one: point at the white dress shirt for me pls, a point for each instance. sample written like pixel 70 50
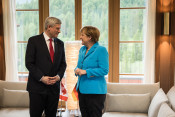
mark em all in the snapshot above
pixel 48 41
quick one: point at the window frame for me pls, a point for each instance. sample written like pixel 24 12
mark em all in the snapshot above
pixel 135 42
pixel 114 40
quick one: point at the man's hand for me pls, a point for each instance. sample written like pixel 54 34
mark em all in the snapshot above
pixel 50 80
pixel 46 80
pixel 54 79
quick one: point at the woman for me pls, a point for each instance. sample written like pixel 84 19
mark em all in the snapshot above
pixel 92 66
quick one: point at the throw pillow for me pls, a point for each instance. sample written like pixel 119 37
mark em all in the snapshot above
pixel 165 111
pixel 171 97
pixel 15 98
pixel 138 103
pixel 156 102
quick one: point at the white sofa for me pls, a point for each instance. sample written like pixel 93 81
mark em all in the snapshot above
pixel 14 100
pixel 138 100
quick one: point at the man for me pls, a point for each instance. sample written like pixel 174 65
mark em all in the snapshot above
pixel 45 60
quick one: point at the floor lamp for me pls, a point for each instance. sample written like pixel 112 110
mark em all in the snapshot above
pixel 71 50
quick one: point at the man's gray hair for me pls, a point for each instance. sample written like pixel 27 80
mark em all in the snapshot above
pixel 51 21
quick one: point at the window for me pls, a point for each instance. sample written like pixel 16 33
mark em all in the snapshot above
pixel 131 41
pixel 27 17
pixel 121 24
pixel 126 30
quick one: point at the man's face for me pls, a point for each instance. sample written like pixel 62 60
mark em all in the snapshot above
pixel 54 30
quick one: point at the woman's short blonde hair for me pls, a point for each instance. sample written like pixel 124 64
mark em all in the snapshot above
pixel 92 32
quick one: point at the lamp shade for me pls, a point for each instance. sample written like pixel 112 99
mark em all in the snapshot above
pixel 71 50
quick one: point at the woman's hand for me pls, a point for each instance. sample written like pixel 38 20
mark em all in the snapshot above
pixel 77 71
pixel 80 72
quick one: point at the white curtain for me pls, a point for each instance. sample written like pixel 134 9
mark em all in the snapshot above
pixel 10 39
pixel 149 47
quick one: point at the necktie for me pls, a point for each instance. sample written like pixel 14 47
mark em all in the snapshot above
pixel 51 50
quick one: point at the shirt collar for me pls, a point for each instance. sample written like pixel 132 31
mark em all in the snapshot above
pixel 46 37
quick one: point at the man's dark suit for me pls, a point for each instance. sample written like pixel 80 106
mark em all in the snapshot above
pixel 39 64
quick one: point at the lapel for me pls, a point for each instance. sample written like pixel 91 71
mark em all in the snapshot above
pixel 44 46
pixel 91 50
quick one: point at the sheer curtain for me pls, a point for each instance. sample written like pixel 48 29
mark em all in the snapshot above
pixel 149 47
pixel 10 39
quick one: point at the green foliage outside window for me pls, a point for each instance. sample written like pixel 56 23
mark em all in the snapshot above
pixel 65 11
pixel 95 13
pixel 27 4
pixel 132 3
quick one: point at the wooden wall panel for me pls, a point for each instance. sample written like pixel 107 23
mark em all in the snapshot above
pixel 2 54
pixel 165 62
pixel 165 46
pixel 173 42
pixel 157 49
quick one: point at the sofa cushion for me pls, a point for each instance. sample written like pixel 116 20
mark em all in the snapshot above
pixel 132 88
pixel 171 97
pixel 14 112
pixel 165 111
pixel 12 86
pixel 138 103
pixel 15 98
pixel 120 114
pixel 156 102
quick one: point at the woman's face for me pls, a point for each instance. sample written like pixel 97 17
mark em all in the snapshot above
pixel 85 39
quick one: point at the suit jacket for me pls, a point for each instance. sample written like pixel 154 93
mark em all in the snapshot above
pixel 39 64
pixel 96 64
